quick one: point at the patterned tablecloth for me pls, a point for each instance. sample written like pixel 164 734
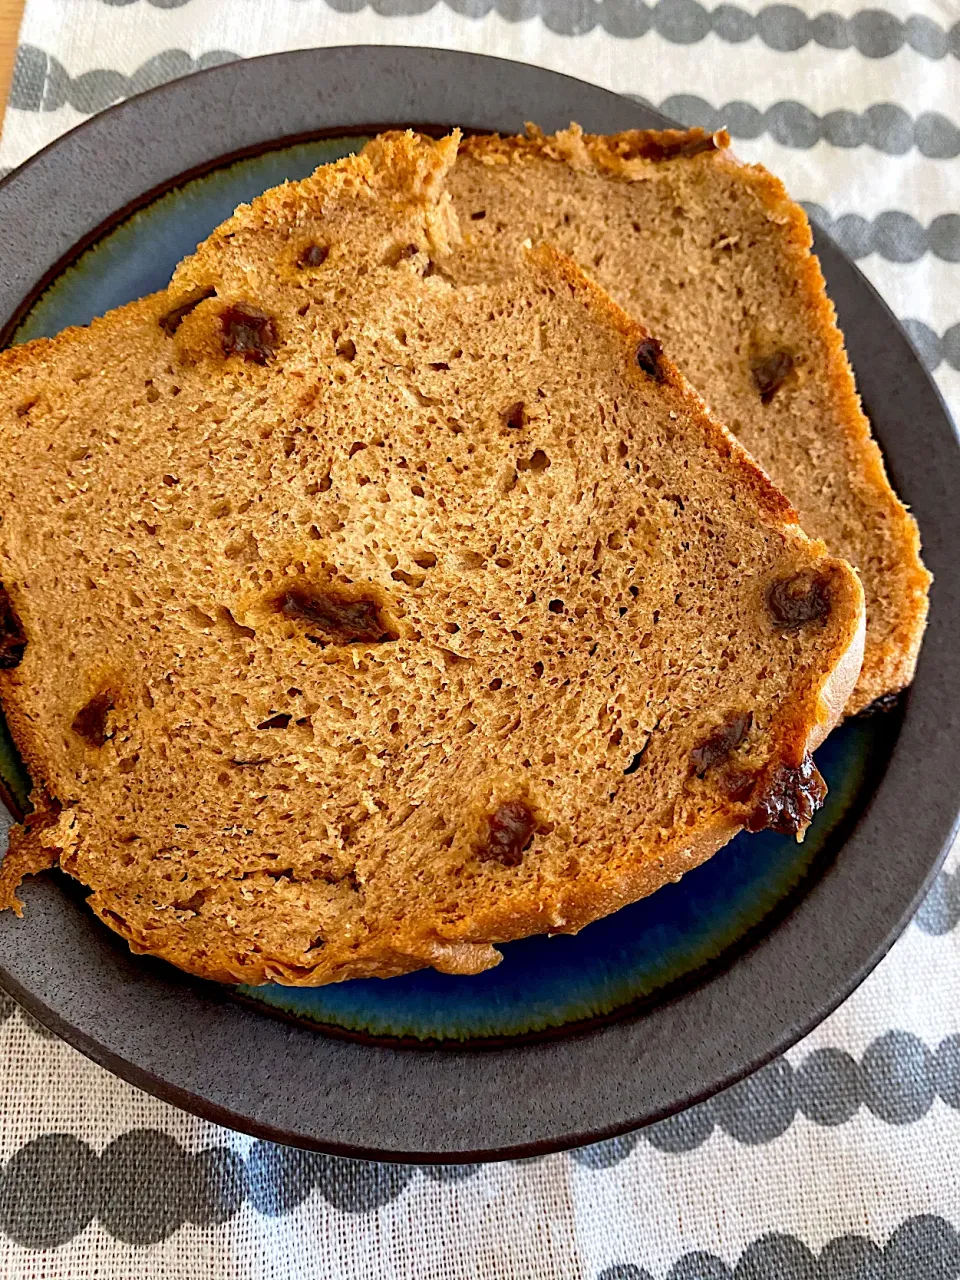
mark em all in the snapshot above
pixel 840 1161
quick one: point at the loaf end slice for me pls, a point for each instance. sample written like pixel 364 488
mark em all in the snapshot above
pixel 357 622
pixel 715 257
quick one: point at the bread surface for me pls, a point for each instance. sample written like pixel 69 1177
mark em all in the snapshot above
pixel 354 622
pixel 714 257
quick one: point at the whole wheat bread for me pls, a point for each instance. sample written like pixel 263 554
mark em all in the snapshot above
pixel 353 622
pixel 715 258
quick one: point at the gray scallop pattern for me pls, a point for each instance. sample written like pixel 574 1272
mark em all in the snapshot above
pixel 144 1186
pixel 782 27
pixel 883 126
pixel 41 83
pixel 898 1080
pixel 941 911
pixel 926 1247
pixel 894 235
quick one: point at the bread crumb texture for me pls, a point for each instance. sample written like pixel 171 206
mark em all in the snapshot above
pixel 356 617
pixel 715 257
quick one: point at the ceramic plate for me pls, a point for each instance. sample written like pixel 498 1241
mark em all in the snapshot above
pixel 570 1038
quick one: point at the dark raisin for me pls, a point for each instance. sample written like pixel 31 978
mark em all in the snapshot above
pixel 478 215
pixel 313 255
pixel 193 903
pixel 715 749
pixel 649 354
pixel 739 784
pixel 90 722
pixel 669 144
pixel 276 722
pixel 13 638
pixel 770 372
pixel 342 620
pixel 171 322
pixel 516 416
pixel 248 332
pixel 795 602
pixel 510 830
pixel 790 798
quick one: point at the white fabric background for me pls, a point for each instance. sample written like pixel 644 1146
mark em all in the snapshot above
pixel 768 1190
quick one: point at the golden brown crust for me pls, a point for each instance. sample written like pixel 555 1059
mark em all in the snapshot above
pixel 891 652
pixel 890 667
pixel 33 848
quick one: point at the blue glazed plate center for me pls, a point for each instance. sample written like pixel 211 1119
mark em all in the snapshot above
pixel 542 983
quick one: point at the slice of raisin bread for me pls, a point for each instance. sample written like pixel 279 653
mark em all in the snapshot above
pixel 715 257
pixel 354 622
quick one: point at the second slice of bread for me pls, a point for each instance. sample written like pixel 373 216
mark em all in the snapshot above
pixel 715 257
pixel 354 622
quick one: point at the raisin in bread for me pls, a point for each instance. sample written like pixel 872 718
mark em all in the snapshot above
pixel 715 257
pixel 355 622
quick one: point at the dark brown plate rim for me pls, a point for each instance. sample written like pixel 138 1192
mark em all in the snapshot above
pixel 191 1044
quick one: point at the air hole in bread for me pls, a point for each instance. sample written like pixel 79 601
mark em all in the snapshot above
pixel 13 638
pixel 229 624
pixel 198 618
pixel 171 321
pixel 90 722
pixel 194 903
pixel 279 721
